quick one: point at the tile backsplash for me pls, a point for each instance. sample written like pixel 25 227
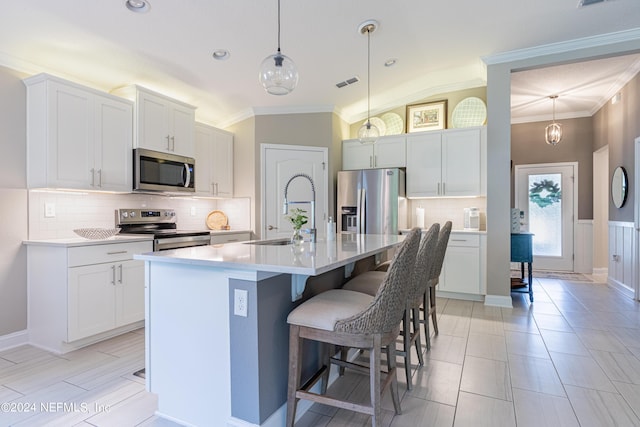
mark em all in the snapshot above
pixel 79 210
pixel 442 210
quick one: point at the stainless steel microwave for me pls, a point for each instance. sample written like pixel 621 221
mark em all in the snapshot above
pixel 163 172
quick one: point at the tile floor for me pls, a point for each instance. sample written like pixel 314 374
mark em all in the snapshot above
pixel 570 359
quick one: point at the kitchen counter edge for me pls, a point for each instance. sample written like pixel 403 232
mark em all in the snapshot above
pixel 79 241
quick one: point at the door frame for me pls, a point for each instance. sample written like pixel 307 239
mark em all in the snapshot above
pixel 263 170
pixel 574 219
pixel 636 220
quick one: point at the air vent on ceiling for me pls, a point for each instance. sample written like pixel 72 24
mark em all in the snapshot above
pixel 583 3
pixel 347 82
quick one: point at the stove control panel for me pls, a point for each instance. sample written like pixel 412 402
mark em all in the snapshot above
pixel 144 216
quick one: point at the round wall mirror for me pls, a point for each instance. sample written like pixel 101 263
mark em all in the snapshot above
pixel 619 186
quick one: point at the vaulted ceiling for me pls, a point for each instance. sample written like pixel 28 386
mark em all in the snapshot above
pixel 438 47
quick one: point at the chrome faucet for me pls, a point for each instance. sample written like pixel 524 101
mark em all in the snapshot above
pixel 285 206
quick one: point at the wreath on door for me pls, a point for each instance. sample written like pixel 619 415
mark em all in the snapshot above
pixel 545 193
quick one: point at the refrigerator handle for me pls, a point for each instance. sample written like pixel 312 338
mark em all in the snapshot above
pixel 362 216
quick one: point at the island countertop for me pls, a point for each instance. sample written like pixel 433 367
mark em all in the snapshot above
pixel 308 259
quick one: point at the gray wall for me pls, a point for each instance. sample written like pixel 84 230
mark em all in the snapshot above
pixel 528 147
pixel 13 208
pixel 617 126
pixel 309 129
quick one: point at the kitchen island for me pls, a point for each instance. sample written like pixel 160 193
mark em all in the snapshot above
pixel 216 331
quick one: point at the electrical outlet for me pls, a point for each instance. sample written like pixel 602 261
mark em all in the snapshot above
pixel 240 297
pixel 49 210
pixel 193 211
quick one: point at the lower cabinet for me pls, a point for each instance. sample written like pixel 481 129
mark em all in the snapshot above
pixel 104 296
pixel 81 294
pixel 463 269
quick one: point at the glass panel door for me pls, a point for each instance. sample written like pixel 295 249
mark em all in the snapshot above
pixel 545 194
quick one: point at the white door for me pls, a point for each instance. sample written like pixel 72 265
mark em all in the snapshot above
pixel 546 195
pixel 279 164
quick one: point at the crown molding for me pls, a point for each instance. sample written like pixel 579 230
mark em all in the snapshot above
pixel 563 47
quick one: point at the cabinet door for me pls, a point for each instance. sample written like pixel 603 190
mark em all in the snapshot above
pixel 390 152
pixel 129 292
pixel 461 162
pixel 204 164
pixel 223 164
pixel 424 164
pixel 113 144
pixel 153 123
pixel 91 300
pixel 181 127
pixel 461 270
pixel 70 141
pixel 356 155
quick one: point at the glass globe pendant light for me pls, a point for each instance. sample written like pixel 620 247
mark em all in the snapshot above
pixel 368 133
pixel 278 73
pixel 553 132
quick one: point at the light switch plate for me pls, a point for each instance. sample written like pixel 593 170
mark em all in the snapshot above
pixel 49 210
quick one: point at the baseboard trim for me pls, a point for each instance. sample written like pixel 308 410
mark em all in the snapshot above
pixel 625 290
pixel 14 339
pixel 498 301
pixel 601 271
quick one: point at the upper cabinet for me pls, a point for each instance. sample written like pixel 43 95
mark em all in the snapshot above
pixel 214 161
pixel 387 152
pixel 77 137
pixel 447 163
pixel 161 123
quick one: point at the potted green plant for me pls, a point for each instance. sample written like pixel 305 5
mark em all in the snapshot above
pixel 298 218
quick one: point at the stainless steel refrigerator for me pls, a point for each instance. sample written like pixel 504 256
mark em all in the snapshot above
pixel 372 201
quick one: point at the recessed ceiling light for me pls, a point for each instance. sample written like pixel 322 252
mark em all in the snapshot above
pixel 138 6
pixel 221 54
pixel 390 62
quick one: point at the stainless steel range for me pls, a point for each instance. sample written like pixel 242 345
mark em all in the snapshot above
pixel 162 224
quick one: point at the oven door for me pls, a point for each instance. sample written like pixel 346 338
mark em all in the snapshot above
pixel 156 171
pixel 166 243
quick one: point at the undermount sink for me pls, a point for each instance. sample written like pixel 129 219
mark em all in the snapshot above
pixel 278 242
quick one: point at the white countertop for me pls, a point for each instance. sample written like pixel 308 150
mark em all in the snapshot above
pixel 453 231
pixel 309 259
pixel 80 241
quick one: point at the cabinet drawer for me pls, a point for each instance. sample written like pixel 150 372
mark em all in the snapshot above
pixel 461 239
pixel 98 254
pixel 229 238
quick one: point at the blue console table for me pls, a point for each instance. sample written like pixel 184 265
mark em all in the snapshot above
pixel 522 252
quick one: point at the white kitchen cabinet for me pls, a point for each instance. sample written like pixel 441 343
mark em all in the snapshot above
pixel 82 294
pixel 161 123
pixel 462 271
pixel 230 237
pixel 387 152
pixel 77 137
pixel 214 161
pixel 447 163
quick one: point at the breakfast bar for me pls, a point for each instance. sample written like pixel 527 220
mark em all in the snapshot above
pixel 216 330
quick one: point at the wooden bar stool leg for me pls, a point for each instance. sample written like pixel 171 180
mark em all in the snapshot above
pixel 415 317
pixel 326 350
pixel 374 381
pixel 425 320
pixel 406 340
pixel 391 368
pixel 295 371
pixel 432 303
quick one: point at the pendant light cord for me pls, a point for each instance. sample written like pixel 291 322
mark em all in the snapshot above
pixel 278 26
pixel 368 76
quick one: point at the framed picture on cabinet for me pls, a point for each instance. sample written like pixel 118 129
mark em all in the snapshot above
pixel 427 116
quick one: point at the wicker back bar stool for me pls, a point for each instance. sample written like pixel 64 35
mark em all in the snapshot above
pixel 340 317
pixel 370 281
pixel 429 302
